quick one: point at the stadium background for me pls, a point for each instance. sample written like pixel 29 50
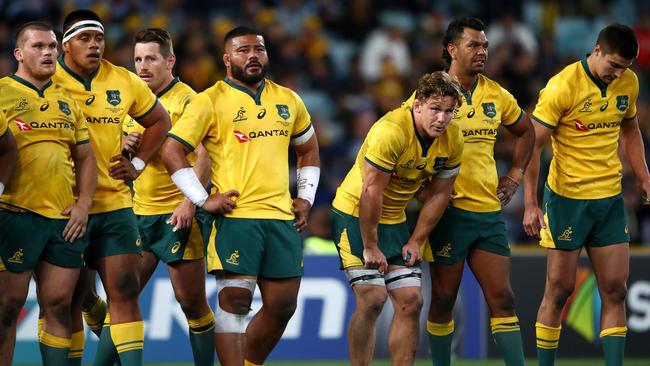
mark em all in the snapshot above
pixel 351 61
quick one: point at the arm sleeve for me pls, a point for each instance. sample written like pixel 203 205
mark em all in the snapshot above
pixel 511 110
pixel 143 98
pixel 631 110
pixel 551 104
pixel 195 122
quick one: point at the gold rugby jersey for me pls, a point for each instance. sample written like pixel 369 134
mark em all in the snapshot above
pixel 585 115
pixel 46 124
pixel 394 146
pixel 106 98
pixel 155 192
pixel 485 106
pixel 247 136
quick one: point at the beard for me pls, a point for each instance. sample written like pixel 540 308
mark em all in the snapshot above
pixel 240 74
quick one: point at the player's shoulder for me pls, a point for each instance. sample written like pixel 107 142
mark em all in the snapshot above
pixel 397 124
pixel 280 90
pixel 568 73
pixel 184 89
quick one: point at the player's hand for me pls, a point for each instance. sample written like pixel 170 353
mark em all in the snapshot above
pixel 182 216
pixel 533 221
pixel 373 258
pixel 75 228
pixel 420 195
pixel 131 142
pixel 506 189
pixel 301 209
pixel 221 203
pixel 411 254
pixel 645 193
pixel 123 169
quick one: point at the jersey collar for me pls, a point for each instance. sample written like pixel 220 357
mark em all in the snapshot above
pixel 41 91
pixel 255 96
pixel 168 87
pixel 468 93
pixel 86 82
pixel 602 86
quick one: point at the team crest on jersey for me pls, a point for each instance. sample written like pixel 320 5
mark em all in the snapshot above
pixel 241 115
pixel 113 97
pixel 489 109
pixel 64 107
pixel 283 111
pixel 408 164
pixel 439 163
pixel 621 102
pixel 586 106
pixel 22 105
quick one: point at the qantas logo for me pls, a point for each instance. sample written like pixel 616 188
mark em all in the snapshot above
pixel 580 126
pixel 241 137
pixel 22 125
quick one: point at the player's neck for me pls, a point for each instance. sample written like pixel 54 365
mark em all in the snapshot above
pixel 37 82
pixel 164 84
pixel 591 61
pixel 465 78
pixel 251 87
pixel 75 68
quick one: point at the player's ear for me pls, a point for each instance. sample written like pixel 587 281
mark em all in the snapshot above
pixel 597 49
pixel 451 48
pixel 171 61
pixel 226 60
pixel 18 54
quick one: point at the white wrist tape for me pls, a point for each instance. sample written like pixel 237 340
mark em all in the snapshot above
pixel 308 177
pixel 138 163
pixel 187 181
pixel 2 188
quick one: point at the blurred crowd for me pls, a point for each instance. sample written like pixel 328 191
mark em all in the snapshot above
pixel 353 60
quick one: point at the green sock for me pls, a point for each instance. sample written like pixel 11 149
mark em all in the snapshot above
pixel 202 339
pixel 128 339
pixel 76 348
pixel 440 336
pixel 54 350
pixel 106 354
pixel 507 337
pixel 613 340
pixel 548 339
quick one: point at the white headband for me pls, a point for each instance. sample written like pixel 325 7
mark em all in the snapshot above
pixel 81 26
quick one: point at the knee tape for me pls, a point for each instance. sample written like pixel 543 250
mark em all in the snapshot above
pixel 364 277
pixel 226 322
pixel 404 277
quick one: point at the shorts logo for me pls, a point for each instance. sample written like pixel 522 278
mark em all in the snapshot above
pixel 64 107
pixel 241 115
pixel 445 251
pixel 138 242
pixel 176 246
pixel 17 257
pixel 283 111
pixel 627 231
pixel 241 137
pixel 22 125
pixel 234 258
pixel 586 107
pixel 566 234
pixel 580 126
pixel 489 109
pixel 113 97
pixel 621 102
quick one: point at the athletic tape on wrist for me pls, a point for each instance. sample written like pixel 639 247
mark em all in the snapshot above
pixel 308 177
pixel 187 181
pixel 138 163
pixel 2 188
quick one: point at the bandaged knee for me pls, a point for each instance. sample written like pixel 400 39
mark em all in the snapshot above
pixel 227 322
pixel 403 277
pixel 364 277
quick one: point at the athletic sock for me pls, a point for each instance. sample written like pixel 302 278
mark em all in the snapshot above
pixel 440 336
pixel 248 363
pixel 202 339
pixel 128 339
pixel 95 317
pixel 76 348
pixel 548 339
pixel 106 354
pixel 613 345
pixel 507 337
pixel 54 350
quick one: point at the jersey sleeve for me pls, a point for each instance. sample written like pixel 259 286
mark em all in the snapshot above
pixel 131 125
pixel 81 132
pixel 144 99
pixel 3 124
pixel 195 122
pixel 551 104
pixel 456 145
pixel 511 110
pixel 631 110
pixel 384 144
pixel 303 119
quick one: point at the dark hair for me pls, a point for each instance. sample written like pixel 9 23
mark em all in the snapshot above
pixel 618 39
pixel 159 36
pixel 20 31
pixel 240 31
pixel 455 31
pixel 78 15
pixel 439 84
